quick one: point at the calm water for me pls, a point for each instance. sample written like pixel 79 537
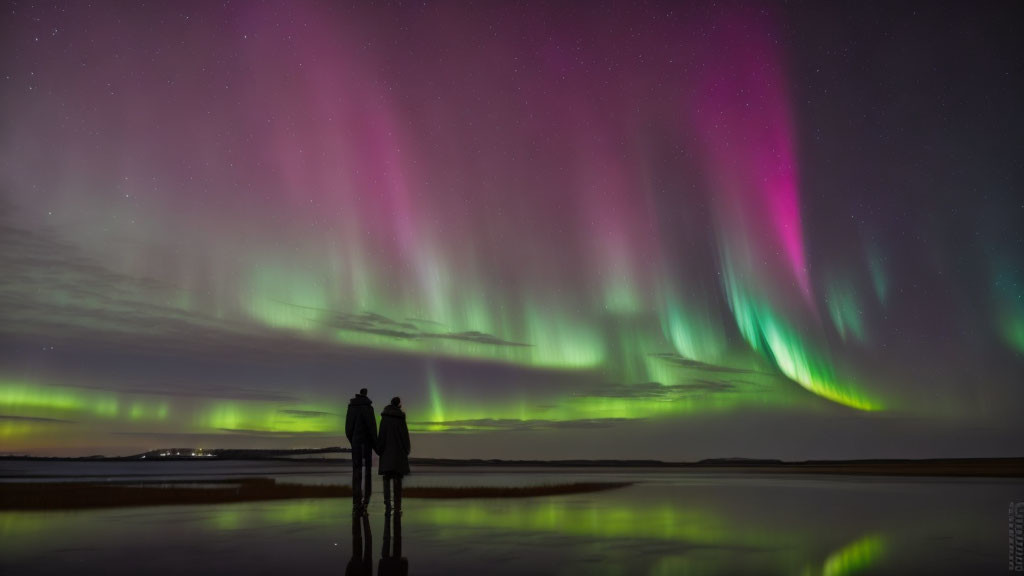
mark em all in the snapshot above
pixel 668 523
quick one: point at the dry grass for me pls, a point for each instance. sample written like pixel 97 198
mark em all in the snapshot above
pixel 61 495
pixel 71 495
pixel 510 492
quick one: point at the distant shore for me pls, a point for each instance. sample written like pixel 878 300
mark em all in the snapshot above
pixel 964 467
pixel 954 467
pixel 78 495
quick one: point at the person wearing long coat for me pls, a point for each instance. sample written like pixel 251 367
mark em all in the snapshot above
pixel 361 431
pixel 393 447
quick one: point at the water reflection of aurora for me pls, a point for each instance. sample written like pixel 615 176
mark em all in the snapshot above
pixel 708 536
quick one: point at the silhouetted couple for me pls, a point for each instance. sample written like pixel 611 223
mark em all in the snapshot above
pixel 391 444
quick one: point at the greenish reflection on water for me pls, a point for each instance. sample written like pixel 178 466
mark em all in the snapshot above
pixel 663 525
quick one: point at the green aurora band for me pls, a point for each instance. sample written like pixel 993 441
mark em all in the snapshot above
pixel 660 253
pixel 767 332
pixel 1008 290
pixel 845 310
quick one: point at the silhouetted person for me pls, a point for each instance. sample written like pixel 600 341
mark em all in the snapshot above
pixel 391 561
pixel 393 447
pixel 361 430
pixel 361 563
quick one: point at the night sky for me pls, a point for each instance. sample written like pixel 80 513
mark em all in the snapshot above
pixel 556 230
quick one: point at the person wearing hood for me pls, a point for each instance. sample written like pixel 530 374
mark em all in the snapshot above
pixel 393 447
pixel 361 431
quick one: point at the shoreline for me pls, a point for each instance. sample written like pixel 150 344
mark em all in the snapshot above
pixel 936 467
pixel 28 496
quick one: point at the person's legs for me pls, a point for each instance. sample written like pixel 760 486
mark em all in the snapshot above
pixel 398 493
pixel 387 492
pixel 368 469
pixel 357 475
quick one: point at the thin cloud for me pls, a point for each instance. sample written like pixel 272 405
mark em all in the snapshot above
pixel 36 419
pixel 678 360
pixel 511 425
pixel 306 413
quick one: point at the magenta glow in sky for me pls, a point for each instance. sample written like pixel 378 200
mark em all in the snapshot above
pixel 587 222
pixel 741 113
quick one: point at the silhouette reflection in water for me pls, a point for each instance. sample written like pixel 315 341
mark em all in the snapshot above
pixel 361 563
pixel 391 561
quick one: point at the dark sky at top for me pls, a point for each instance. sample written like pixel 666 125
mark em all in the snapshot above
pixel 633 230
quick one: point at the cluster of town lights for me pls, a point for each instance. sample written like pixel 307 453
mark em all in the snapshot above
pixel 198 453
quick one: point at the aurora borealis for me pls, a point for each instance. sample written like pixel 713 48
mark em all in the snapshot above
pixel 555 229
